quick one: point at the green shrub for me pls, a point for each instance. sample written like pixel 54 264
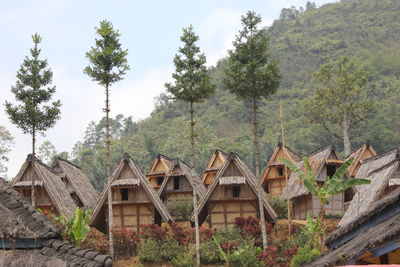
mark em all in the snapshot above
pixel 149 251
pixel 180 210
pixel 209 252
pixel 304 255
pixel 170 249
pixel 183 260
pixel 229 235
pixel 279 205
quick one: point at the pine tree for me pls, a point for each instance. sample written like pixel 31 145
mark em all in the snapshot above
pixel 108 65
pixel 192 84
pixel 33 89
pixel 252 74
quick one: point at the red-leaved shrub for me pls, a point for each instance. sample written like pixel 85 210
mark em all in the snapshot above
pixel 228 247
pixel 125 242
pixel 250 226
pixel 277 256
pixel 153 231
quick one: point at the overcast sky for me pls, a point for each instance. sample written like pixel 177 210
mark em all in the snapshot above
pixel 150 30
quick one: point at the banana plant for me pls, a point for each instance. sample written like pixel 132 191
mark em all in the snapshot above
pixel 331 187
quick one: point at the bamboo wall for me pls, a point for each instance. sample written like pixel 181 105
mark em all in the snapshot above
pixel 309 204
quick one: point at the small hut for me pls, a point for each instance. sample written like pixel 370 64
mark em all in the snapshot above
pixel 158 171
pixel 51 194
pixel 180 183
pixel 361 153
pixel 27 238
pixel 384 173
pixel 374 238
pixel 214 164
pixel 76 182
pixel 233 193
pixel 273 178
pixel 324 162
pixel 135 202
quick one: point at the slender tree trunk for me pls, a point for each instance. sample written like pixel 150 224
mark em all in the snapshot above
pixel 321 222
pixel 107 163
pixel 196 218
pixel 255 136
pixel 192 123
pixel 257 159
pixel 346 138
pixel 33 200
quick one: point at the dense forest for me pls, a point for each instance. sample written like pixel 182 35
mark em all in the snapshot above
pixel 301 39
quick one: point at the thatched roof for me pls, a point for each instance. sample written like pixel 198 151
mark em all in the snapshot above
pixel 217 155
pixel 165 161
pixel 180 168
pixel 368 194
pixel 23 227
pixel 20 219
pixel 143 182
pixel 249 179
pixel 79 181
pixel 359 154
pixel 274 161
pixel 52 183
pixel 317 159
pixel 374 229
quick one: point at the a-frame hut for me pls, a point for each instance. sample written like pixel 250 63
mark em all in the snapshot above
pixel 180 183
pixel 384 173
pixel 76 182
pixel 214 164
pixel 361 153
pixel 158 171
pixel 233 193
pixel 51 194
pixel 324 162
pixel 374 238
pixel 135 202
pixel 27 238
pixel 273 178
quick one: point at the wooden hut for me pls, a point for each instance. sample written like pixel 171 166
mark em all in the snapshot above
pixel 158 171
pixel 324 162
pixel 233 193
pixel 374 238
pixel 384 173
pixel 364 151
pixel 180 183
pixel 76 182
pixel 51 194
pixel 273 178
pixel 214 164
pixel 135 202
pixel 27 238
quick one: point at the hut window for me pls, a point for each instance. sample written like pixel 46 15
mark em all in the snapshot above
pixel 236 191
pixel 330 170
pixel 280 171
pixel 124 193
pixel 160 180
pixel 176 182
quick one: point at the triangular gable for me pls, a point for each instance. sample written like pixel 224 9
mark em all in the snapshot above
pixel 160 165
pixel 128 171
pixel 214 164
pixel 52 183
pixel 279 152
pixel 78 180
pixel 180 168
pixel 234 165
pixel 364 151
pixel 372 192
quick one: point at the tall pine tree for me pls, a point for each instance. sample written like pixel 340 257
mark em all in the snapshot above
pixel 252 74
pixel 108 65
pixel 33 89
pixel 192 85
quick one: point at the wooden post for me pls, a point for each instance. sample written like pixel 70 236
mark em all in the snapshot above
pixel 286 176
pixel 33 200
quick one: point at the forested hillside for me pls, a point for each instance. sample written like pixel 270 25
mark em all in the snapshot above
pixel 302 40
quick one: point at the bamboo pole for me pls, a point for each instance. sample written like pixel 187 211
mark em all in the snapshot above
pixel 286 176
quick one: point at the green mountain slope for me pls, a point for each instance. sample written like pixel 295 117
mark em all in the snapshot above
pixel 302 40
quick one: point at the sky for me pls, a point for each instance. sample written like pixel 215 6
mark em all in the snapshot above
pixel 150 30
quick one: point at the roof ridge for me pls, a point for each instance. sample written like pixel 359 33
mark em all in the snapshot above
pixel 383 155
pixel 384 166
pixel 69 162
pixel 319 150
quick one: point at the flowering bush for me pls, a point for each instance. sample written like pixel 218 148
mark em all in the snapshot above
pixel 153 231
pixel 125 242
